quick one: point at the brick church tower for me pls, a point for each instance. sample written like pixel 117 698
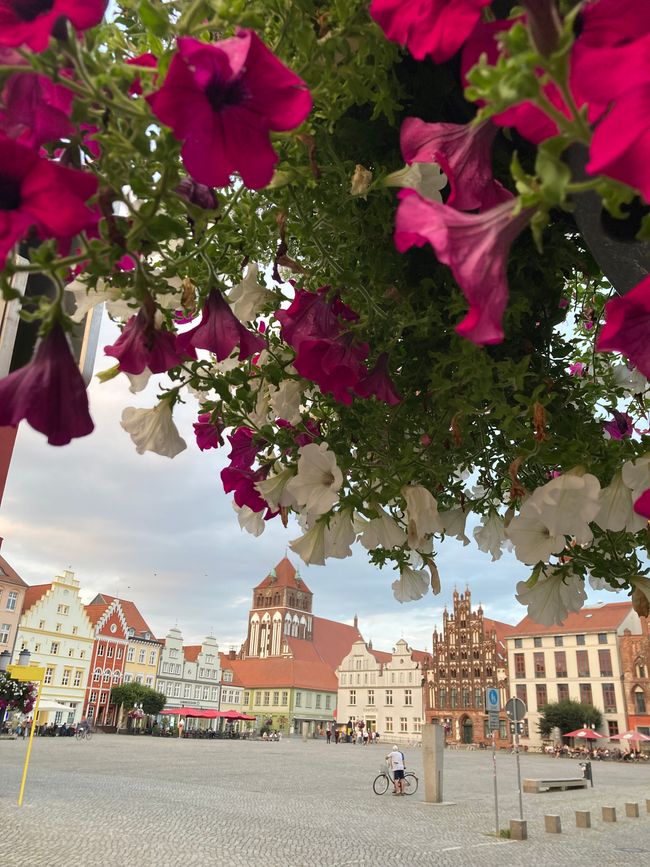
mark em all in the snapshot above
pixel 281 608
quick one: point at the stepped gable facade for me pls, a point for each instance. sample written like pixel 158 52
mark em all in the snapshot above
pixel 468 656
pixel 12 596
pixel 107 664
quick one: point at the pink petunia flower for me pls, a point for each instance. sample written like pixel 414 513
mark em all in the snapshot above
pixel 146 60
pixel 243 449
pixel 142 345
pixel 219 331
pixel 208 431
pixel 34 110
pixel 475 246
pixel 642 504
pixel 33 22
pixel 48 392
pixel 336 366
pixel 41 193
pixel 197 194
pixel 464 153
pixel 428 27
pixel 620 426
pixel 223 100
pixel 309 316
pixel 377 382
pixel 242 481
pixel 577 368
pixel 627 326
pixel 613 22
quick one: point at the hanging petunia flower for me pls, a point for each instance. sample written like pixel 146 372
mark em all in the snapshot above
pixel 153 430
pixel 531 537
pixel 41 193
pixel 243 482
pixel 48 392
pixel 642 505
pixel 340 534
pixel 636 476
pixel 249 297
pixel 630 379
pixel 33 22
pixel 627 326
pixel 616 508
pixel 476 248
pixel 567 505
pixel 428 27
pixel 381 532
pixel 422 517
pixel 335 365
pixel 426 178
pixel 274 489
pixel 377 383
pixel 141 345
pixel 577 368
pixel 146 61
pixel 310 547
pixel 556 593
pixel 412 584
pixel 620 426
pixel 453 523
pixel 464 151
pixel 286 399
pixel 208 431
pixel 490 535
pixel 219 331
pixel 34 110
pixel 318 480
pixel 252 522
pixel 243 452
pixel 197 194
pixel 223 100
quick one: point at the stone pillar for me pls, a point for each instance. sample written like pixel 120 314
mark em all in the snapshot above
pixel 609 814
pixel 552 825
pixel 632 810
pixel 583 819
pixel 305 730
pixel 433 751
pixel 518 829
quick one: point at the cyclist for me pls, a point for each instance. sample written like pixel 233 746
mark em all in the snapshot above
pixel 396 762
pixel 84 726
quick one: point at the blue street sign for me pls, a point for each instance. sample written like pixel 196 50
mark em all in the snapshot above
pixel 492 699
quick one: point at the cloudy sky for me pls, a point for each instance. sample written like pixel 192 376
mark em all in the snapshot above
pixel 164 534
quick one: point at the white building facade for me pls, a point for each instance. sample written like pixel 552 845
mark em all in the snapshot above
pixel 190 675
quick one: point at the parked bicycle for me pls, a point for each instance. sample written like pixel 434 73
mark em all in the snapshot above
pixel 384 779
pixel 83 734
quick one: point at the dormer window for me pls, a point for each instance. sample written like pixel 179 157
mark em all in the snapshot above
pixel 130 632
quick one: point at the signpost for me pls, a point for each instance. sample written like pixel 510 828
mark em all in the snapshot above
pixel 492 707
pixel 33 674
pixel 516 711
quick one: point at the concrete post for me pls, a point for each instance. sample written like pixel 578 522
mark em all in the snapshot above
pixel 305 729
pixel 583 819
pixel 632 810
pixel 552 825
pixel 647 805
pixel 609 814
pixel 433 751
pixel 518 829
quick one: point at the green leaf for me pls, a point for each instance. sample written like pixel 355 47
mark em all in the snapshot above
pixel 153 18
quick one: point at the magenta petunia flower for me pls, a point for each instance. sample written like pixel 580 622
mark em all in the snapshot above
pixel 428 27
pixel 243 450
pixel 197 194
pixel 335 366
pixel 223 100
pixel 242 481
pixel 48 392
pixel 219 331
pixel 208 431
pixel 475 246
pixel 377 382
pixel 148 61
pixel 310 316
pixel 642 504
pixel 41 193
pixel 627 326
pixel 464 153
pixel 32 22
pixel 613 22
pixel 34 110
pixel 577 368
pixel 620 426
pixel 142 345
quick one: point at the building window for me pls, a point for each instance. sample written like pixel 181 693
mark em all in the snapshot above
pixel 97 674
pixel 585 693
pixel 539 664
pixel 417 724
pixel 454 698
pixel 612 725
pixel 206 693
pixel 308 699
pixel 93 696
pixel 12 599
pixel 4 633
pixel 65 677
pixel 522 692
pixel 59 627
pixel 403 724
pixel 353 696
pixel 478 698
pixel 127 679
pixel 443 697
pixel 602 638
pixel 580 639
pixel 328 702
pixel 177 690
pixel 173 654
pixel 389 724
pixel 605 663
pixel 371 696
pixel 71 653
pixel 465 697
pixel 100 650
pixel 276 698
pixel 541 695
pixel 408 697
pixel 118 654
pixel 389 696
pixel 110 651
pixel 299 699
pixel 187 690
pixel 563 692
pixel 285 698
pixel 609 698
pixel 62 609
pixel 54 648
pixel 560 663
pixel 247 697
pixel 49 674
pixel 77 678
pixel 214 694
pixel 75 630
pixel 41 624
pixel 502 729
pixel 639 700
pixel 537 641
pixel 520 665
pixel 129 657
pixel 519 642
pixel 142 656
pixel 559 641
pixel 318 699
pixel 152 657
pixel 37 649
pixel 107 674
pixel 582 659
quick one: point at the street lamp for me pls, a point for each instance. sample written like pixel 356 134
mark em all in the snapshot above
pixel 5 659
pixel 23 657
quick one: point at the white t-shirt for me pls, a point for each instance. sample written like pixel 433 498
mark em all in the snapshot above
pixel 396 760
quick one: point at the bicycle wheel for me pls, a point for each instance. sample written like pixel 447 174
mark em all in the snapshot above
pixel 410 786
pixel 381 784
pixel 79 734
pixel 88 735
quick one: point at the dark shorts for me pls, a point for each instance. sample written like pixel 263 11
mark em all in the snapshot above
pixel 398 775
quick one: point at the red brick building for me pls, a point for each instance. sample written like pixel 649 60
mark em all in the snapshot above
pixel 108 661
pixel 635 663
pixel 468 656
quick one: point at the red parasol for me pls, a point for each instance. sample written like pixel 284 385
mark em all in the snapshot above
pixel 630 736
pixel 589 734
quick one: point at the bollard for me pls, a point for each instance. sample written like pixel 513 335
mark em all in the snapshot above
pixel 518 829
pixel 632 810
pixel 609 814
pixel 552 825
pixel 583 819
pixel 647 805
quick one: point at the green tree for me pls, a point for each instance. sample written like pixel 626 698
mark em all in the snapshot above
pixel 129 694
pixel 568 716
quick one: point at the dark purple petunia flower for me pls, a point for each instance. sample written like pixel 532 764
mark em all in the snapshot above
pixel 142 345
pixel 219 331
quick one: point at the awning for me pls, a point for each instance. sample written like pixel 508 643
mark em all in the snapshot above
pixel 52 706
pixel 235 715
pixel 201 713
pixel 630 736
pixel 588 734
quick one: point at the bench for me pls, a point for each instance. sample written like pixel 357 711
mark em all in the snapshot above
pixel 534 787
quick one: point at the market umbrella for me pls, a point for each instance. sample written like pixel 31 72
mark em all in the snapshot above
pixel 588 734
pixel 630 736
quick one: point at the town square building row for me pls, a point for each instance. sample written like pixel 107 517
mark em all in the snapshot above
pixel 297 672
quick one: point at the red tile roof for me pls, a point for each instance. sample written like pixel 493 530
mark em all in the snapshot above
pixel 380 655
pixel 10 575
pixel 283 673
pixel 33 594
pixel 191 652
pixel 285 576
pixel 595 619
pixel 134 620
pixel 226 663
pixel 95 612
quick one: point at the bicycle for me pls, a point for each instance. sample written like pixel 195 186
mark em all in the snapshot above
pixel 83 734
pixel 384 779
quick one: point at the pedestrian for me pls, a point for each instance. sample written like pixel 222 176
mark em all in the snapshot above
pixel 181 726
pixel 328 734
pixel 396 762
pixel 337 734
pixel 366 737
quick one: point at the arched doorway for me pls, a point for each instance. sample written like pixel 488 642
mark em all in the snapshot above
pixel 467 730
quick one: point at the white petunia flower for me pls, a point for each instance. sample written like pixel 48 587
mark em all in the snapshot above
pixel 636 475
pixel 531 537
pixel 310 547
pixel 318 480
pixel 421 514
pixel 86 298
pixel 567 504
pixel 274 489
pixel 555 594
pixel 412 584
pixel 490 535
pixel 340 535
pixel 252 522
pixel 616 508
pixel 153 430
pixel 286 398
pixel 138 381
pixel 249 297
pixel 453 523
pixel 425 178
pixel 631 379
pixel 382 532
pixel 260 415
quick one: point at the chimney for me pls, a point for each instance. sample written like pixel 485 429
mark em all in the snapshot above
pixel 356 622
pixel 232 653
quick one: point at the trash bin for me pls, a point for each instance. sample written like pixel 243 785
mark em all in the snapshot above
pixel 586 772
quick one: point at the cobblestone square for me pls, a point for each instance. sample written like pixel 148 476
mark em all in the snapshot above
pixel 149 801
